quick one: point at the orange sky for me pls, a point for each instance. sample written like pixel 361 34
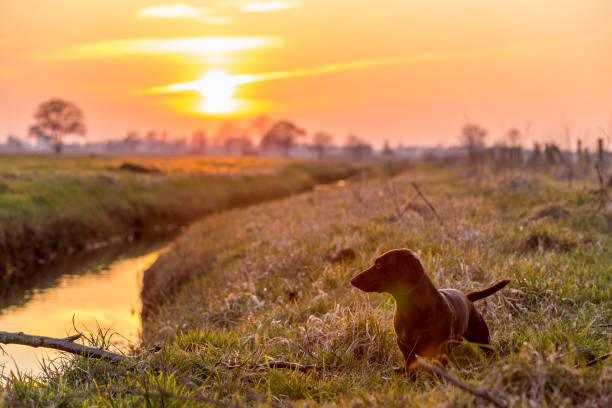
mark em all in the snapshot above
pixel 405 70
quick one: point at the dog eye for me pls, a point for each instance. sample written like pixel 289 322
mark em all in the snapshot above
pixel 377 266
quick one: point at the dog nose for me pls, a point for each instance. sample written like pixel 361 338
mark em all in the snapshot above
pixel 355 280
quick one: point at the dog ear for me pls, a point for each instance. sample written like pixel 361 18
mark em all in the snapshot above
pixel 410 271
pixel 392 259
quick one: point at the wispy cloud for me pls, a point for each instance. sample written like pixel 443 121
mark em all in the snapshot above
pixel 263 6
pixel 191 46
pixel 296 73
pixel 343 66
pixel 211 14
pixel 176 10
pixel 182 11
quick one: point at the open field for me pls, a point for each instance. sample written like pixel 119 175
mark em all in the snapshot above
pixel 52 206
pixel 261 286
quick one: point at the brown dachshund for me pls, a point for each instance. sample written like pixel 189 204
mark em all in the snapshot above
pixel 427 321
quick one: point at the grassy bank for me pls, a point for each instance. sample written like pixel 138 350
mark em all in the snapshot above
pixel 261 285
pixel 53 206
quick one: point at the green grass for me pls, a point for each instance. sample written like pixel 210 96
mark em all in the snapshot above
pixel 51 206
pixel 258 284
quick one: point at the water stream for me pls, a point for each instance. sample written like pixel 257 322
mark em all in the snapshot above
pixel 95 289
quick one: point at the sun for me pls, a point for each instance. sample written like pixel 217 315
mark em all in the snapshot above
pixel 217 88
pixel 217 85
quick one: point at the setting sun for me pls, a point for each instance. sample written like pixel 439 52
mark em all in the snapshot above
pixel 406 72
pixel 217 85
pixel 217 88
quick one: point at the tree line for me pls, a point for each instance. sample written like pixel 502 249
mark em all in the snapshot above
pixel 57 119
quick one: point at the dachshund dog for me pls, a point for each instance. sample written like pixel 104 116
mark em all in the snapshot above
pixel 427 321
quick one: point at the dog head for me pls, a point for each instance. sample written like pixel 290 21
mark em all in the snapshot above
pixel 397 271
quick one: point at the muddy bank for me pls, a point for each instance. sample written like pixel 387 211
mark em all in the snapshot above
pixel 181 263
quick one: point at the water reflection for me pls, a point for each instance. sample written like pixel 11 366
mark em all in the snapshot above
pixel 102 290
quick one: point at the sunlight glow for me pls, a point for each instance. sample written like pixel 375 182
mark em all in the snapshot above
pixel 217 88
pixel 217 85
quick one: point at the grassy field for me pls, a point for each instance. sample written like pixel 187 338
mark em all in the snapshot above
pixel 52 206
pixel 259 284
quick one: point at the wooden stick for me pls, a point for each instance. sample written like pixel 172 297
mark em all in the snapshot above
pixel 73 338
pixel 290 366
pixel 598 359
pixel 603 194
pixel 400 214
pixel 272 364
pixel 474 391
pixel 431 207
pixel 594 361
pixel 66 344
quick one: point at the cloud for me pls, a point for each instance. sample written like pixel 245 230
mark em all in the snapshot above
pixel 343 66
pixel 263 6
pixel 297 73
pixel 180 10
pixel 192 46
pixel 209 14
pixel 176 10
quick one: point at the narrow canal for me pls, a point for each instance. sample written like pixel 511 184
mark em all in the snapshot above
pixel 92 290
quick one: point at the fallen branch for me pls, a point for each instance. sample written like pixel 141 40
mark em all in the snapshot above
pixel 273 364
pixel 66 344
pixel 596 360
pixel 288 365
pixel 431 207
pixel 474 391
pixel 400 213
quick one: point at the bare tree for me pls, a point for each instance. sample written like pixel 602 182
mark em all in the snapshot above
pixel 320 141
pixel 514 137
pixel 357 147
pixel 387 150
pixel 198 141
pixel 227 130
pixel 258 127
pixel 13 142
pixel 56 119
pixel 473 137
pixel 132 140
pixel 515 150
pixel 282 135
pixel 151 136
pixel 239 145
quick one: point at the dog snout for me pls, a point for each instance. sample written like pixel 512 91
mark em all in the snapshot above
pixel 355 281
pixel 365 281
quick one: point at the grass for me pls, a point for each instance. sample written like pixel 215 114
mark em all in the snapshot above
pixel 258 284
pixel 52 206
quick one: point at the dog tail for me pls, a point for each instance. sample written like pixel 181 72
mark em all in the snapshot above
pixel 488 291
